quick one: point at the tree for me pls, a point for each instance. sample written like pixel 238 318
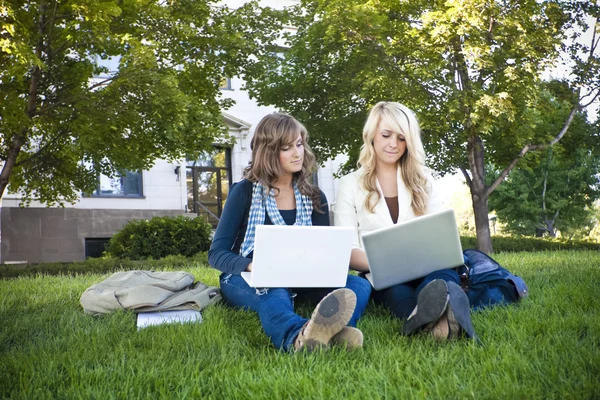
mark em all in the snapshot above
pixel 594 234
pixel 468 68
pixel 65 118
pixel 556 195
pixel 556 190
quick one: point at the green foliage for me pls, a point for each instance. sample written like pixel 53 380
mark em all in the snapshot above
pixel 469 69
pixel 545 347
pixel 530 244
pixel 101 265
pixel 66 118
pixel 553 190
pixel 160 237
pixel 556 195
pixel 594 234
pixel 347 55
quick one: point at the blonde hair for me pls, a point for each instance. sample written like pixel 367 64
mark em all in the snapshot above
pixel 412 163
pixel 272 133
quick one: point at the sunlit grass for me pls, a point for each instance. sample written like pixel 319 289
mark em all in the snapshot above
pixel 545 347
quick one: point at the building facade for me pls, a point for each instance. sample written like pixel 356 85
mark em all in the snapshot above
pixel 37 233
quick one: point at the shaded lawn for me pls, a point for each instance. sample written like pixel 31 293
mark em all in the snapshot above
pixel 544 347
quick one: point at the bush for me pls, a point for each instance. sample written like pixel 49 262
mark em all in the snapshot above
pixel 160 237
pixel 515 244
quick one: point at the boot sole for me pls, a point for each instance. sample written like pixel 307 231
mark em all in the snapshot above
pixel 330 316
pixel 431 303
pixel 461 310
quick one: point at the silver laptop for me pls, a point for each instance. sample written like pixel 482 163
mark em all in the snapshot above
pixel 412 249
pixel 300 256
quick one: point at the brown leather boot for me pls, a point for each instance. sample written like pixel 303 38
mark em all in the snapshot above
pixel 431 305
pixel 441 329
pixel 350 337
pixel 330 316
pixel 445 328
pixel 450 326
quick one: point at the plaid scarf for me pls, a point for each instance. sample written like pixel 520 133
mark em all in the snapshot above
pixel 260 203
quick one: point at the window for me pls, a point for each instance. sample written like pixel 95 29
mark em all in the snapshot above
pixel 208 180
pixel 94 247
pixel 129 185
pixel 225 84
pixel 219 157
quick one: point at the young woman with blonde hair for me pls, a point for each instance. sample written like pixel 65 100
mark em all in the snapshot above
pixel 393 185
pixel 276 190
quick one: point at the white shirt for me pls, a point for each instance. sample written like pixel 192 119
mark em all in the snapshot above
pixel 350 210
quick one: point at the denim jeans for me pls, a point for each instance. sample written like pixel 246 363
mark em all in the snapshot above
pixel 275 306
pixel 401 299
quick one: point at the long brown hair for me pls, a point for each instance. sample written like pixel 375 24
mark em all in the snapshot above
pixel 411 163
pixel 272 133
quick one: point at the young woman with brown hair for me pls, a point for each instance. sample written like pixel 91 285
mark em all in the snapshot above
pixel 275 191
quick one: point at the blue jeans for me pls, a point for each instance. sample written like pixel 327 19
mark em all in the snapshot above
pixel 401 299
pixel 275 306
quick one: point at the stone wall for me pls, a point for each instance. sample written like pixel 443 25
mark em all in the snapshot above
pixel 39 235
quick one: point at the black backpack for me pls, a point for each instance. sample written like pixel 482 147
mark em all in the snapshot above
pixel 487 283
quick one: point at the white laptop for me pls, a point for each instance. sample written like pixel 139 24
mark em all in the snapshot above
pixel 412 249
pixel 300 256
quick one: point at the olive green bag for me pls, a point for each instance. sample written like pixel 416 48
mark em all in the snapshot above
pixel 147 291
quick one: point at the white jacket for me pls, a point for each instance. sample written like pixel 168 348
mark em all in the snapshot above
pixel 349 209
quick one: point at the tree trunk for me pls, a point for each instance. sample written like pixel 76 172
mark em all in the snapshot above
pixel 551 228
pixel 18 139
pixel 9 163
pixel 479 193
pixel 482 222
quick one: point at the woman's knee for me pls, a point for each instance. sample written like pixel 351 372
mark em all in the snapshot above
pixel 360 286
pixel 448 275
pixel 400 299
pixel 237 293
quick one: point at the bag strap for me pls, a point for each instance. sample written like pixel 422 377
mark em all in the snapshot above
pixel 520 285
pixel 197 298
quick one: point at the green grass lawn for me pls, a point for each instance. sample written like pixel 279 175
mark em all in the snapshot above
pixel 548 346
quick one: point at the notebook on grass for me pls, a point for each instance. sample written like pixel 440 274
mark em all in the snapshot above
pixel 146 319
